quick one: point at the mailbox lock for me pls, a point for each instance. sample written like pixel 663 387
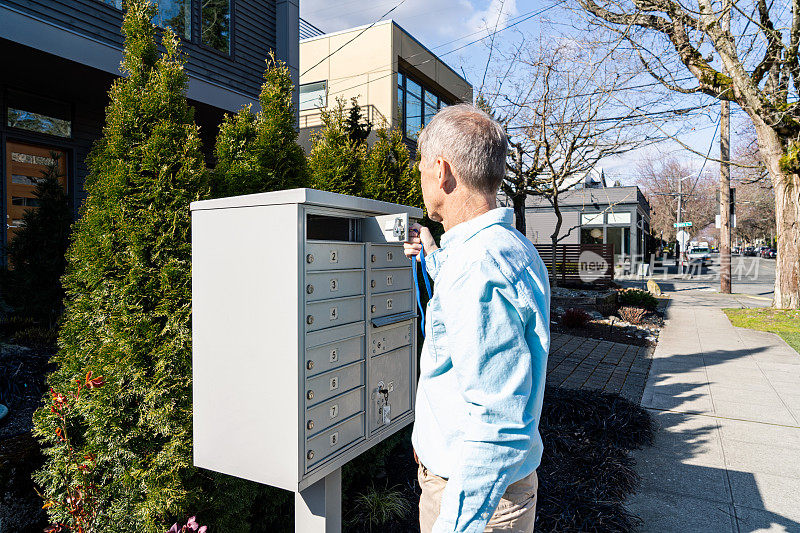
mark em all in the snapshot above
pixel 372 308
pixel 310 454
pixel 310 289
pixel 310 365
pixel 310 395
pixel 310 258
pixel 372 283
pixel 310 424
pixel 373 258
pixel 310 319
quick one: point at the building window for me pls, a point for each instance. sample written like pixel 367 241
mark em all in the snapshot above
pixel 620 238
pixel 41 115
pixel 313 95
pixel 591 235
pixel 619 218
pixel 594 219
pixel 177 15
pixel 215 27
pixel 417 105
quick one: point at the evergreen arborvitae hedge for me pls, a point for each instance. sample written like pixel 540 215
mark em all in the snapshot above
pixel 36 254
pixel 258 152
pixel 337 161
pixel 124 449
pixel 391 176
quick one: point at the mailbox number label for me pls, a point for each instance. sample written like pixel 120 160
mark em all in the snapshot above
pixel 334 412
pixel 335 383
pixel 389 256
pixel 389 303
pixel 334 355
pixel 334 313
pixel 334 285
pixel 389 280
pixel 334 438
pixel 334 256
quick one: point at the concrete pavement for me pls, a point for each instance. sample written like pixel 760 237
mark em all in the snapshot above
pixel 727 400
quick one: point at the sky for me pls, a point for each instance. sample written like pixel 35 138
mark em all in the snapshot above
pixel 445 26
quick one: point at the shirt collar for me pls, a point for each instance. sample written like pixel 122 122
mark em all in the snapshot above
pixel 466 230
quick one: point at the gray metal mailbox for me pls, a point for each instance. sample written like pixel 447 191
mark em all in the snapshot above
pixel 304 338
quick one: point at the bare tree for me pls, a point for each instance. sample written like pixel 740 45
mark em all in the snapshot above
pixel 562 118
pixel 757 68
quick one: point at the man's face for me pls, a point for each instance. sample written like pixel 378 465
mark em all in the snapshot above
pixel 430 172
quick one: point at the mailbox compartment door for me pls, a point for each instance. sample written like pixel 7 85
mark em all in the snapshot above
pixel 390 280
pixel 390 371
pixel 328 313
pixel 390 303
pixel 325 444
pixel 334 255
pixel 333 411
pixel 325 386
pixel 323 358
pixel 329 284
pixel 387 256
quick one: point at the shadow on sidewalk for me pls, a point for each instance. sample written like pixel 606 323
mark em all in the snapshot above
pixel 686 485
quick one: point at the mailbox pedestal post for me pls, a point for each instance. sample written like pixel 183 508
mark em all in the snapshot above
pixel 318 509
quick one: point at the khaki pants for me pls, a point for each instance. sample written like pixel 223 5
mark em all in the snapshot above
pixel 515 513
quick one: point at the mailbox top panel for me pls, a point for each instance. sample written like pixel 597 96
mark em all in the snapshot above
pixel 307 197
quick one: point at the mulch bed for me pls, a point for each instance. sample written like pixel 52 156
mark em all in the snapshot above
pixel 586 473
pixel 625 334
pixel 20 507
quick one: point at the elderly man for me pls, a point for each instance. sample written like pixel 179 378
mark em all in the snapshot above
pixel 482 370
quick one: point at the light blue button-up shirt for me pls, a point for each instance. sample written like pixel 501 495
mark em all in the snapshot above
pixel 482 369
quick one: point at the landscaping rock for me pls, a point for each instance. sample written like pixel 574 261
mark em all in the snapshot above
pixel 653 288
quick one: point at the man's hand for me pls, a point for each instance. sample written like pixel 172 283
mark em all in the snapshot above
pixel 420 238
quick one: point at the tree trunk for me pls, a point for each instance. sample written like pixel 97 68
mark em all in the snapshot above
pixel 787 218
pixel 518 202
pixel 554 241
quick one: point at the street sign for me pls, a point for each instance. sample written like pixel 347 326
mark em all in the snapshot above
pixel 682 225
pixel 683 239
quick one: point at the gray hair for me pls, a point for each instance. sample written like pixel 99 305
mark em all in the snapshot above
pixel 473 143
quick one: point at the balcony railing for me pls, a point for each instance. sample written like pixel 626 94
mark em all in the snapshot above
pixel 313 119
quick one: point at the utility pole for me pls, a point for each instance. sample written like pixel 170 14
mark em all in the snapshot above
pixel 725 178
pixel 680 244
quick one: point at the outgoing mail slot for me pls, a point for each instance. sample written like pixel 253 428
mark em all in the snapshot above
pixel 329 313
pixel 325 444
pixel 389 303
pixel 390 338
pixel 333 284
pixel 333 411
pixel 334 256
pixel 323 358
pixel 386 280
pixel 387 255
pixel 330 384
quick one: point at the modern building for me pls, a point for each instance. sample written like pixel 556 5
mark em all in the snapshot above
pixel 594 214
pixel 60 58
pixel 397 80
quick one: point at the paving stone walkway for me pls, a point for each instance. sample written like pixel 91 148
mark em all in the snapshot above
pixel 584 363
pixel 727 401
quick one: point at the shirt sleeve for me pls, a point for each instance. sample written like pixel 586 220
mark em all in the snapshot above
pixel 485 325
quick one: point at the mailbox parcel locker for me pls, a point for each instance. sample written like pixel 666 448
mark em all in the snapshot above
pixel 304 332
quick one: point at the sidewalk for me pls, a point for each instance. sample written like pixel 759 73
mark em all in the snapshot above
pixel 727 400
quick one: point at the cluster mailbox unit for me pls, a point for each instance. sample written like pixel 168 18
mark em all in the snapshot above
pixel 304 338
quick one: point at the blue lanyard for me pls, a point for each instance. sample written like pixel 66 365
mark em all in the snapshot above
pixel 416 286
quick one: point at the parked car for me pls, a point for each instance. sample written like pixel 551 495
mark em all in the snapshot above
pixel 750 251
pixel 771 253
pixel 735 250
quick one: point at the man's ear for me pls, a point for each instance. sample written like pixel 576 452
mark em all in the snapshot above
pixel 447 180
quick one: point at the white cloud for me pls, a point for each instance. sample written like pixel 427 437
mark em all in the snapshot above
pixel 496 14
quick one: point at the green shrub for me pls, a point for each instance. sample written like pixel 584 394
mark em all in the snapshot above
pixel 39 337
pixel 32 285
pixel 128 312
pixel 636 298
pixel 375 508
pixel 390 175
pixel 258 152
